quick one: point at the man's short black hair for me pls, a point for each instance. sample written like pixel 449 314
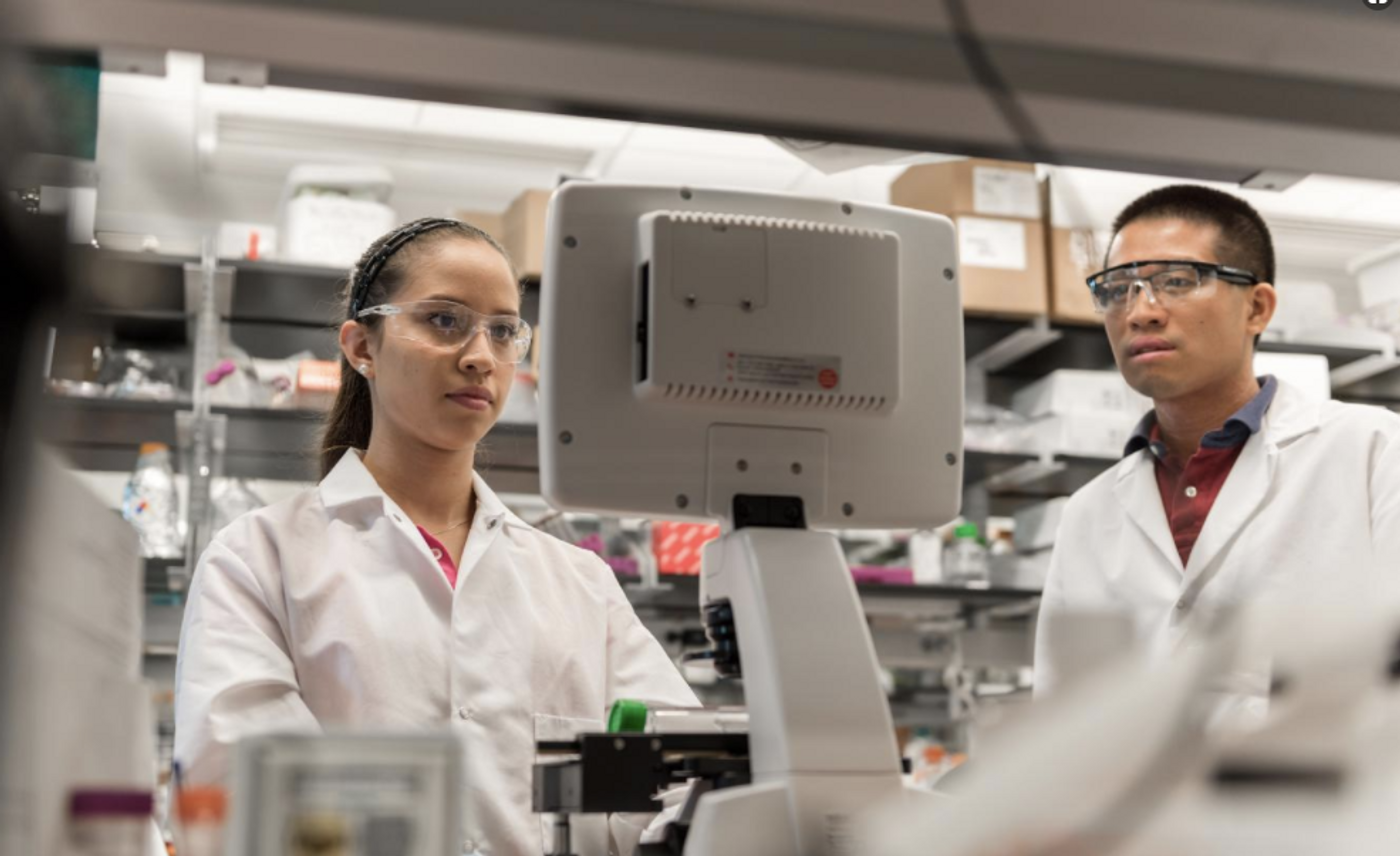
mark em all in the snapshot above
pixel 1244 237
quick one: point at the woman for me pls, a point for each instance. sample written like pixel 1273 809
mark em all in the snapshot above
pixel 400 593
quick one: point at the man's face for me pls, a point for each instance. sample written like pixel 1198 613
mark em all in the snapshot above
pixel 1171 349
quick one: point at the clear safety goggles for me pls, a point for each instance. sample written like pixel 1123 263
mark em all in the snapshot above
pixel 450 326
pixel 1166 283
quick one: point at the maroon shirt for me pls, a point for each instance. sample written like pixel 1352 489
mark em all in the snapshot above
pixel 1189 488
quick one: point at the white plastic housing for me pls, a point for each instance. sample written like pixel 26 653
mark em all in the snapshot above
pixel 701 344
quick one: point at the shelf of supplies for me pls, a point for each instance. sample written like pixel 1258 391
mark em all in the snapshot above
pixel 263 443
pixel 676 593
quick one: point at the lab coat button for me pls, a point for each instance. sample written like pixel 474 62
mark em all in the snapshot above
pixel 1181 604
pixel 1191 492
pixel 469 846
pixel 464 712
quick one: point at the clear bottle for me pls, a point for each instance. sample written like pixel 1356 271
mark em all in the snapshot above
pixel 200 812
pixel 1002 560
pixel 926 557
pixel 109 822
pixel 965 559
pixel 152 504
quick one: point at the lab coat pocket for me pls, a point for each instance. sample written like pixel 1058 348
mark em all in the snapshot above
pixel 590 832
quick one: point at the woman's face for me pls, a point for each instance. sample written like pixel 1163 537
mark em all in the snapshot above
pixel 446 397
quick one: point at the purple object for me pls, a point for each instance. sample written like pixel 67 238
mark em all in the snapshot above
pixel 887 576
pixel 623 565
pixel 219 372
pixel 92 803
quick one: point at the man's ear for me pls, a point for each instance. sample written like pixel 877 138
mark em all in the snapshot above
pixel 1263 302
pixel 355 345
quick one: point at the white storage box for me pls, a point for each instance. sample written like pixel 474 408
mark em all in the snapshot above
pixel 1078 391
pixel 1091 435
pixel 1310 373
pixel 329 215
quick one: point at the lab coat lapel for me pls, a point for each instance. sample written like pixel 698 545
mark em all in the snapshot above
pixel 1136 490
pixel 1239 500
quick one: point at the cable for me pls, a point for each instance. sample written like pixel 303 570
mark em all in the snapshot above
pixel 986 74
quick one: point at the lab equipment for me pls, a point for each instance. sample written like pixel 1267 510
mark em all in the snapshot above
pixel 965 559
pixel 152 505
pixel 1139 758
pixel 109 822
pixel 348 795
pixel 773 362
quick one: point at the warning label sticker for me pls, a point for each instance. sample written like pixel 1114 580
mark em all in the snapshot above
pixel 807 374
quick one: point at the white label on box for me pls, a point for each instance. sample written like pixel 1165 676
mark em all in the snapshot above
pixel 810 374
pixel 1005 193
pixel 997 244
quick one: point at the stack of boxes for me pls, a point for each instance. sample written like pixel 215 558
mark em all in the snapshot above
pixel 997 208
pixel 1085 413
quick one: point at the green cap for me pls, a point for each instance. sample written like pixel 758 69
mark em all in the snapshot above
pixel 965 530
pixel 627 715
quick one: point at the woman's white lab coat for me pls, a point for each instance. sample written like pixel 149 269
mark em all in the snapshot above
pixel 1312 505
pixel 328 610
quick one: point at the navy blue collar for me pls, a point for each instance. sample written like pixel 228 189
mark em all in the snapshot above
pixel 1246 422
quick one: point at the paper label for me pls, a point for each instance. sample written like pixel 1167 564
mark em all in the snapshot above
pixel 1005 193
pixel 807 374
pixel 999 244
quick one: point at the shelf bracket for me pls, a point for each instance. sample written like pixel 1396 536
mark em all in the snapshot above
pixel 1020 344
pixel 1025 474
pixel 1365 368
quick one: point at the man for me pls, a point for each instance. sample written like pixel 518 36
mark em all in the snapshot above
pixel 1233 487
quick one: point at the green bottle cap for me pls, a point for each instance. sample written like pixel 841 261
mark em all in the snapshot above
pixel 627 716
pixel 965 530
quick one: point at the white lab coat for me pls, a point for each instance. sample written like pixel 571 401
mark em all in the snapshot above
pixel 1312 504
pixel 328 610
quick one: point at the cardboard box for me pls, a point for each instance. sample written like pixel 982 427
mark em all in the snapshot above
pixel 983 188
pixel 522 231
pixel 1079 391
pixel 1002 266
pixel 491 224
pixel 996 207
pixel 1074 255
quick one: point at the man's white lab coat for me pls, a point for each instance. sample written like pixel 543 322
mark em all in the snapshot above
pixel 328 610
pixel 1312 504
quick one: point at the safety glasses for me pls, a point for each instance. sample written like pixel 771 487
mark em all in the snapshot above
pixel 450 326
pixel 1166 282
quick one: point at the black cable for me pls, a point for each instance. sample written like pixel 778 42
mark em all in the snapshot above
pixel 986 74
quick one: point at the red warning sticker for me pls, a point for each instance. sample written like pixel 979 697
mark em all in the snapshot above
pixel 788 373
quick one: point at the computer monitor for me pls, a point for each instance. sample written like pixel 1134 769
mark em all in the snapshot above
pixel 701 344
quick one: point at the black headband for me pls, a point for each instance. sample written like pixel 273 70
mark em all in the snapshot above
pixel 366 275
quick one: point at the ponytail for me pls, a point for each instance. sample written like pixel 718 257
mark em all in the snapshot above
pixel 350 419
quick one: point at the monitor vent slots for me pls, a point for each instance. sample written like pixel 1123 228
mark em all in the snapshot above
pixel 771 398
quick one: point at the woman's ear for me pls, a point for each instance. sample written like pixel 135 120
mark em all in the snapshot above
pixel 355 345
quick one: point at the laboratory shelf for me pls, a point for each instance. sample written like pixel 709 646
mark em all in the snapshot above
pixel 682 593
pixel 262 443
pixel 142 297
